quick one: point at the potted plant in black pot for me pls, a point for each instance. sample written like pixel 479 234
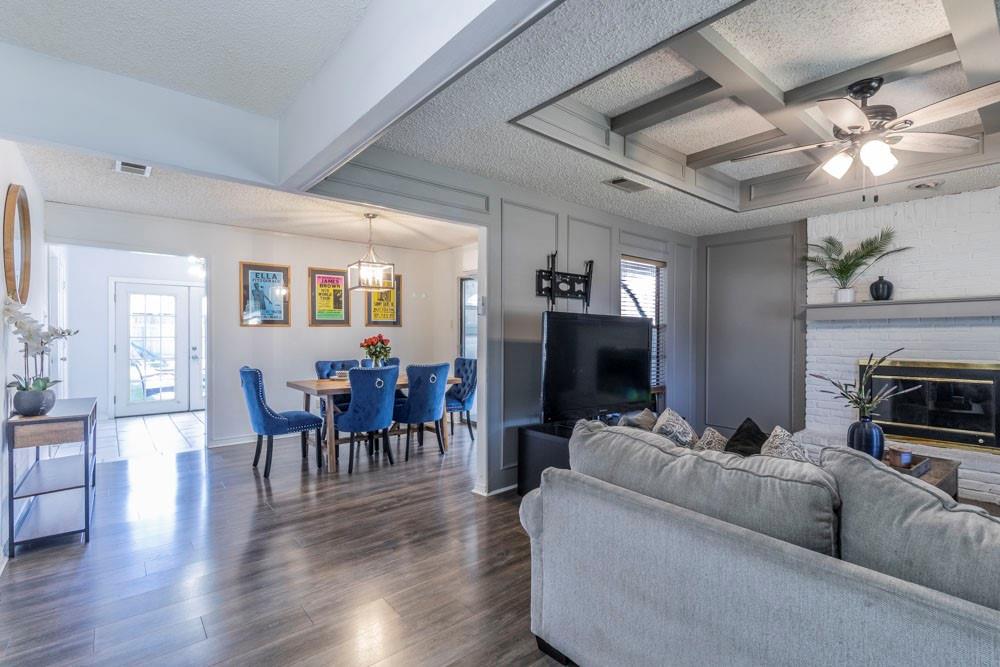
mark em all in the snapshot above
pixel 829 259
pixel 33 395
pixel 865 435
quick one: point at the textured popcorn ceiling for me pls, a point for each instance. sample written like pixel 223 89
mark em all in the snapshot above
pixel 466 126
pixel 764 165
pixel 712 125
pixel 655 75
pixel 86 180
pixel 254 55
pixel 794 42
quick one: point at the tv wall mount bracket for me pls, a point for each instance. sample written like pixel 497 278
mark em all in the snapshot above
pixel 553 284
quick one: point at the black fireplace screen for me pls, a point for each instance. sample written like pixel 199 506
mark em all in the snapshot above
pixel 956 402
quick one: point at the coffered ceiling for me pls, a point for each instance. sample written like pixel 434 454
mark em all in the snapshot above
pixel 748 80
pixel 669 93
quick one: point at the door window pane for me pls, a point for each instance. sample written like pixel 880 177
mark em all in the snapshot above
pixel 152 347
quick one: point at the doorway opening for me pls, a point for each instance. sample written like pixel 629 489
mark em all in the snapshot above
pixel 141 347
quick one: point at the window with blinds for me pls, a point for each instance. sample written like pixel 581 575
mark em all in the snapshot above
pixel 643 283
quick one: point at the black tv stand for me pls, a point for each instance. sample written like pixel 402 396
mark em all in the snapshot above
pixel 541 446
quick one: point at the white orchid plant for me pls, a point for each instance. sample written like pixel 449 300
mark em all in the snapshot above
pixel 37 341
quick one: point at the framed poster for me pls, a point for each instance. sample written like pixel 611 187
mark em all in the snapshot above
pixel 265 295
pixel 385 309
pixel 329 305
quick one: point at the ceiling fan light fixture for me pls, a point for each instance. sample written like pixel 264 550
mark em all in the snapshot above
pixel 878 157
pixel 839 164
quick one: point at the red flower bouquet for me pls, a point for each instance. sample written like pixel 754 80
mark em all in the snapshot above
pixel 377 348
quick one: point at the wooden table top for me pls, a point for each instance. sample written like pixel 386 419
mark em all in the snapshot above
pixel 334 387
pixel 65 409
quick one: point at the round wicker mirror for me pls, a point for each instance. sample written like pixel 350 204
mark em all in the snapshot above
pixel 17 243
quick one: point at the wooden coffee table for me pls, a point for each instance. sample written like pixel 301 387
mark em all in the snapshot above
pixel 943 474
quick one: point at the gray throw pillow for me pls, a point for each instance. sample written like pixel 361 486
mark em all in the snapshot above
pixel 645 420
pixel 675 428
pixel 900 526
pixel 781 445
pixel 789 500
pixel 711 439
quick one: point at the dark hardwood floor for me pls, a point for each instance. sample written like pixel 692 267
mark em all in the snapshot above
pixel 195 559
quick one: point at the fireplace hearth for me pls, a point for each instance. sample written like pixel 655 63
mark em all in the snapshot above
pixel 956 404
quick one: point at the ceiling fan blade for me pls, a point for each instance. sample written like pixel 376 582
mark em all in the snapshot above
pixel 845 114
pixel 971 100
pixel 815 174
pixel 931 142
pixel 794 149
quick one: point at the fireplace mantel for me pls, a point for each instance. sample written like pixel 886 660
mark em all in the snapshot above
pixel 980 306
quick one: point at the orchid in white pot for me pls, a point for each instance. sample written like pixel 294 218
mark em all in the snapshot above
pixel 34 395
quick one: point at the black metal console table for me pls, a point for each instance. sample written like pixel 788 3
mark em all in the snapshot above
pixel 59 491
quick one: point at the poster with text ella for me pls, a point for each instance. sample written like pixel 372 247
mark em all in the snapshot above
pixel 265 294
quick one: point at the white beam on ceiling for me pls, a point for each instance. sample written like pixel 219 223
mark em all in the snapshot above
pixel 708 51
pixel 909 62
pixel 976 29
pixel 400 54
pixel 671 105
pixel 53 101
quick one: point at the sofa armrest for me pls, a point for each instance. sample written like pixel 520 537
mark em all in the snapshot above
pixel 531 513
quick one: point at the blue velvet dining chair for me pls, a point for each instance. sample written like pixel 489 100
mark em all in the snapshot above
pixel 368 363
pixel 372 395
pixel 424 402
pixel 267 422
pixel 324 371
pixel 462 397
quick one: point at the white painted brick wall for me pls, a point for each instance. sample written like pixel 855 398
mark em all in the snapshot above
pixel 955 252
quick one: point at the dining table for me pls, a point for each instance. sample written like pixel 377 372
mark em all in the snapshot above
pixel 340 387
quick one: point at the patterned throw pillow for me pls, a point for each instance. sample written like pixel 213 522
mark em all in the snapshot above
pixel 781 445
pixel 711 439
pixel 645 420
pixel 673 427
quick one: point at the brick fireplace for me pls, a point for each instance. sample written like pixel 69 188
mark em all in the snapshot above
pixel 956 243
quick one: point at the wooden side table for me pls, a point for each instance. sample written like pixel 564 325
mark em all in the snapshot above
pixel 59 491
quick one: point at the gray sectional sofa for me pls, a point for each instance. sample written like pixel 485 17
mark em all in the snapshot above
pixel 649 554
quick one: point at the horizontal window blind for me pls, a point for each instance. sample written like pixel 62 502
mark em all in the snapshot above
pixel 642 290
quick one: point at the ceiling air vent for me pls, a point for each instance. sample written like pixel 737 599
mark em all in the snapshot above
pixel 123 167
pixel 626 184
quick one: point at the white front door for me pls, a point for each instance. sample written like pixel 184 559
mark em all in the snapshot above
pixel 152 367
pixel 198 344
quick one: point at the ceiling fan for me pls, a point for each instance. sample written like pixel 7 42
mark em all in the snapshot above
pixel 871 132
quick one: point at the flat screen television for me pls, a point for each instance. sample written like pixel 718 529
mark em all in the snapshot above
pixel 593 365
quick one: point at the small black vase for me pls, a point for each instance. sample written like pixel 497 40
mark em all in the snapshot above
pixel 881 289
pixel 866 436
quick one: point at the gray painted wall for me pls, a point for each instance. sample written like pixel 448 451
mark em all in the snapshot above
pixel 522 227
pixel 751 333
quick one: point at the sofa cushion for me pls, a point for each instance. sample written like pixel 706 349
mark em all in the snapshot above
pixel 747 440
pixel 645 420
pixel 791 500
pixel 675 428
pixel 900 526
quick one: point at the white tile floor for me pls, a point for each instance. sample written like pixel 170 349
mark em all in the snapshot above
pixel 134 437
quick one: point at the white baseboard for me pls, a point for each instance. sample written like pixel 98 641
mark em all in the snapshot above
pixel 481 492
pixel 248 439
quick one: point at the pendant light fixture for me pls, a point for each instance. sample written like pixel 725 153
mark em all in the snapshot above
pixel 370 274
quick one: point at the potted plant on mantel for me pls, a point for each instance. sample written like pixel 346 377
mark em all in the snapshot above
pixel 34 395
pixel 844 268
pixel 864 434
